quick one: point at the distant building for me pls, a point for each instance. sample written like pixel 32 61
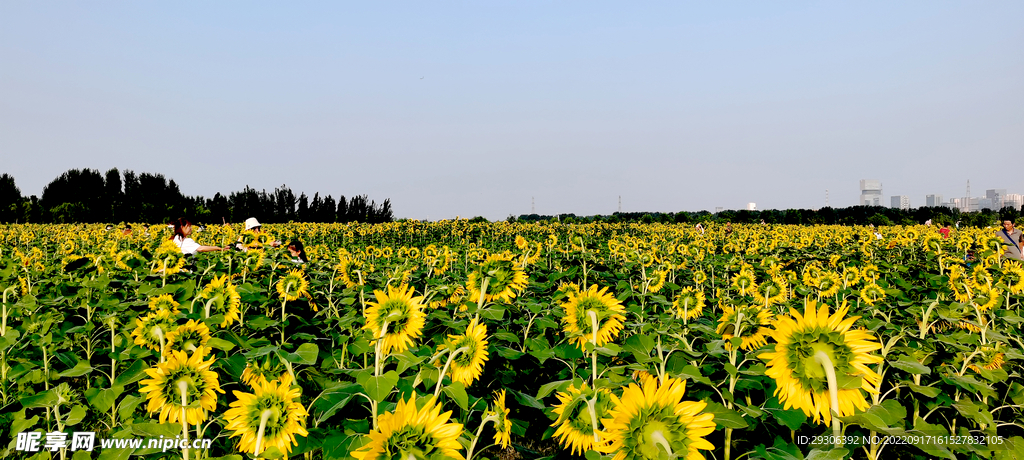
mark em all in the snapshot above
pixel 933 200
pixel 719 209
pixel 751 206
pixel 1013 200
pixel 870 192
pixel 900 202
pixel 994 199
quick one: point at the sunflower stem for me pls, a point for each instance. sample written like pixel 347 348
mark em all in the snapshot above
pixel 833 394
pixel 448 363
pixel 659 439
pixel 183 389
pixel 593 355
pixel 159 333
pixel 483 292
pixel 263 426
pixel 479 431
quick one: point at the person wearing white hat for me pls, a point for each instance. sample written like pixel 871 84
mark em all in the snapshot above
pixel 253 225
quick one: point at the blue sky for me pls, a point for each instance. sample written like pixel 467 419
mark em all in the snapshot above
pixel 474 108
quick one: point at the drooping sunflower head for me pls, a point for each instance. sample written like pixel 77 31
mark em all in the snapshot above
pixel 1013 277
pixel 803 343
pixel 568 288
pixel 401 312
pixel 851 275
pixel 268 367
pixel 582 309
pixel 699 277
pixel 351 271
pixel 870 272
pixel 960 285
pixel 743 281
pixel 989 357
pixel 277 401
pixel 150 328
pixel 689 303
pixel 293 285
pixel 657 280
pixel 182 373
pixel 411 431
pixel 578 428
pixel 827 284
pixel 188 337
pixel 502 425
pixel 651 421
pixel 505 279
pixel 223 299
pixel 468 364
pixel 168 258
pixel 752 321
pixel 987 298
pixel 771 291
pixel 872 293
pixel 164 302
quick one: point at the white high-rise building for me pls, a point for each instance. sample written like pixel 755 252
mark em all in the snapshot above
pixel 900 202
pixel 870 192
pixel 933 200
pixel 751 206
pixel 1013 200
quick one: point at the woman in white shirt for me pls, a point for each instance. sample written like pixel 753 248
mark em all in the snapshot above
pixel 182 230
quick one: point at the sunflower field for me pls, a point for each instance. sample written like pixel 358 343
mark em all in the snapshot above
pixel 461 340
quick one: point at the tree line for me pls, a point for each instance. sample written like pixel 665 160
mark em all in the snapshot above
pixel 87 196
pixel 853 215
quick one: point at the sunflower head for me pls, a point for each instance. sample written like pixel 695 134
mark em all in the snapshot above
pixel 872 293
pixel 268 367
pixel 351 271
pixel 989 357
pixel 413 432
pixel 657 280
pixel 502 424
pixel 188 337
pixel 401 313
pixel 651 421
pixel 168 258
pixel 772 291
pixel 164 302
pixel 578 428
pixel 580 311
pixel 150 328
pixel 796 367
pixel 1013 277
pixel 293 285
pixel 182 373
pixel 752 321
pixel 689 303
pixel 505 279
pixel 277 401
pixel 743 281
pixel 223 299
pixel 468 364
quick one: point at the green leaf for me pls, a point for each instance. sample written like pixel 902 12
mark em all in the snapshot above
pixel 334 399
pixel 134 373
pixel 378 388
pixel 725 417
pixel 127 406
pixel 493 313
pixel 46 398
pixel 80 369
pixel 640 346
pixel 831 454
pixel 220 344
pixel 305 354
pixel 910 366
pixel 76 415
pixel 568 351
pixel 102 400
pixel 457 391
pixel 155 430
pixel 551 387
pixel 975 412
pixel 690 372
pixel 930 392
pixel 506 336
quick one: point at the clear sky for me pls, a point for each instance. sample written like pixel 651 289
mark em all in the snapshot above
pixel 472 108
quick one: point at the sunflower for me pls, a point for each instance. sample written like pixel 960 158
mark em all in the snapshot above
pixel 960 285
pixel 850 276
pixel 872 293
pixel 689 303
pixel 576 425
pixel 168 258
pixel 275 406
pixel 502 425
pixel 189 337
pixel 267 367
pixel 568 288
pixel 411 432
pixel 164 302
pixel 403 314
pixel 656 280
pixel 293 285
pixel 577 321
pixel 521 242
pixel 149 328
pixel 869 273
pixel 827 284
pixel 182 372
pixel 350 271
pixel 980 278
pixel 468 364
pixel 772 291
pixel 989 357
pixel 753 322
pixel 221 298
pixel 699 277
pixel 801 380
pixel 652 421
pixel 744 281
pixel 505 279
pixel 987 298
pixel 1013 277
